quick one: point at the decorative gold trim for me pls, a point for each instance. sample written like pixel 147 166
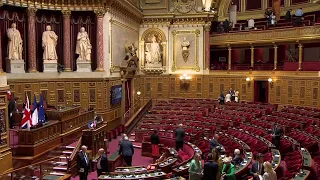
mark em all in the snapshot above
pixel 309 33
pixel 164 46
pixel 122 25
pixel 154 7
pixel 196 67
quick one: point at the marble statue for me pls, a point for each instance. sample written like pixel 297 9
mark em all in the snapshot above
pixel 14 43
pixel 153 54
pixel 83 47
pixel 185 49
pixel 49 43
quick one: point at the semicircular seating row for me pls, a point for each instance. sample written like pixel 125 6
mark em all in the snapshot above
pixel 244 126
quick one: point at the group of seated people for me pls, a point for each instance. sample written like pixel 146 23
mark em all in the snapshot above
pixel 270 16
pixel 231 96
pixel 216 167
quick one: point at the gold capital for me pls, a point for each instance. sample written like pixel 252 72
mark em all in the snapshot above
pixel 66 13
pixel 31 11
pixel 207 27
pixel 99 12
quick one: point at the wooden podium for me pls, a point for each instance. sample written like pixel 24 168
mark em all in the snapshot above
pixel 94 138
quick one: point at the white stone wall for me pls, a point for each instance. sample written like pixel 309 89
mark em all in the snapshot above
pixel 118 30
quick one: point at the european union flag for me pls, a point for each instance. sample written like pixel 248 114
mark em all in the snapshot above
pixel 41 118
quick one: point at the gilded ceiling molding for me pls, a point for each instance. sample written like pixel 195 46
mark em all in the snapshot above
pixel 126 10
pixel 171 19
pixel 75 5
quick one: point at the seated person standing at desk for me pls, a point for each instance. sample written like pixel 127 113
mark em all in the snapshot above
pixel 102 163
pixel 155 141
pixel 126 151
pixel 214 142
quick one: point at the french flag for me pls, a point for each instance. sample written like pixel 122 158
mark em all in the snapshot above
pixel 35 116
pixel 26 119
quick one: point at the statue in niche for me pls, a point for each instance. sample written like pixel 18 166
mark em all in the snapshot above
pixel 153 52
pixel 49 43
pixel 14 43
pixel 83 47
pixel 185 49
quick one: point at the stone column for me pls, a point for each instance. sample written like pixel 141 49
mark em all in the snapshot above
pixel 207 28
pixel 275 57
pixel 100 55
pixel 32 50
pixel 229 57
pixel 300 56
pixel 66 40
pixel 252 56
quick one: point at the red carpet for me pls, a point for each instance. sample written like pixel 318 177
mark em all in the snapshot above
pixel 137 159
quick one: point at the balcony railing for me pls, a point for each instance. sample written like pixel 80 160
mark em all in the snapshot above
pixel 307 33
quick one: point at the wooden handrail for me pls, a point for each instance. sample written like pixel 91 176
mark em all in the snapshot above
pixel 34 164
pixel 76 149
pixel 137 116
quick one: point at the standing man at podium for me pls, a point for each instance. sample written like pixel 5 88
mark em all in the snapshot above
pixel 83 163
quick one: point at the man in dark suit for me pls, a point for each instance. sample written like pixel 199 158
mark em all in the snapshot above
pixel 126 150
pixel 102 163
pixel 179 133
pixel 257 167
pixel 11 110
pixel 214 142
pixel 276 135
pixel 83 163
pixel 210 169
pixel 288 15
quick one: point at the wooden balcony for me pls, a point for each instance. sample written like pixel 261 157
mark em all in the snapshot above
pixel 256 37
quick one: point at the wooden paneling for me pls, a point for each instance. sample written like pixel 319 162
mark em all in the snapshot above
pixel 285 90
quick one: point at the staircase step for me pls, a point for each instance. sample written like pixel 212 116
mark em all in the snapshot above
pixel 63 158
pixel 61 163
pixel 132 134
pixel 60 168
pixel 69 147
pixel 132 140
pixel 57 173
pixel 67 152
pixel 137 146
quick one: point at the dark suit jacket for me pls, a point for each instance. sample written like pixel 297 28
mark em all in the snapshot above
pixel 11 106
pixel 255 169
pixel 126 148
pixel 277 132
pixel 213 144
pixel 155 139
pixel 237 160
pixel 210 170
pixel 179 133
pixel 288 15
pixel 82 162
pixel 104 163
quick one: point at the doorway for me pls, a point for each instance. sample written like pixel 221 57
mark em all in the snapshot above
pixel 261 91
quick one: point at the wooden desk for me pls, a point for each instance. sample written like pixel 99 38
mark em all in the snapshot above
pixel 35 141
pixel 94 138
pixel 306 157
pixel 302 176
pixel 152 175
pixel 62 113
pixel 53 177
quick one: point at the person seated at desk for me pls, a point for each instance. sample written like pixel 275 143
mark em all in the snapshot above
pixel 228 170
pixel 237 160
pixel 102 163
